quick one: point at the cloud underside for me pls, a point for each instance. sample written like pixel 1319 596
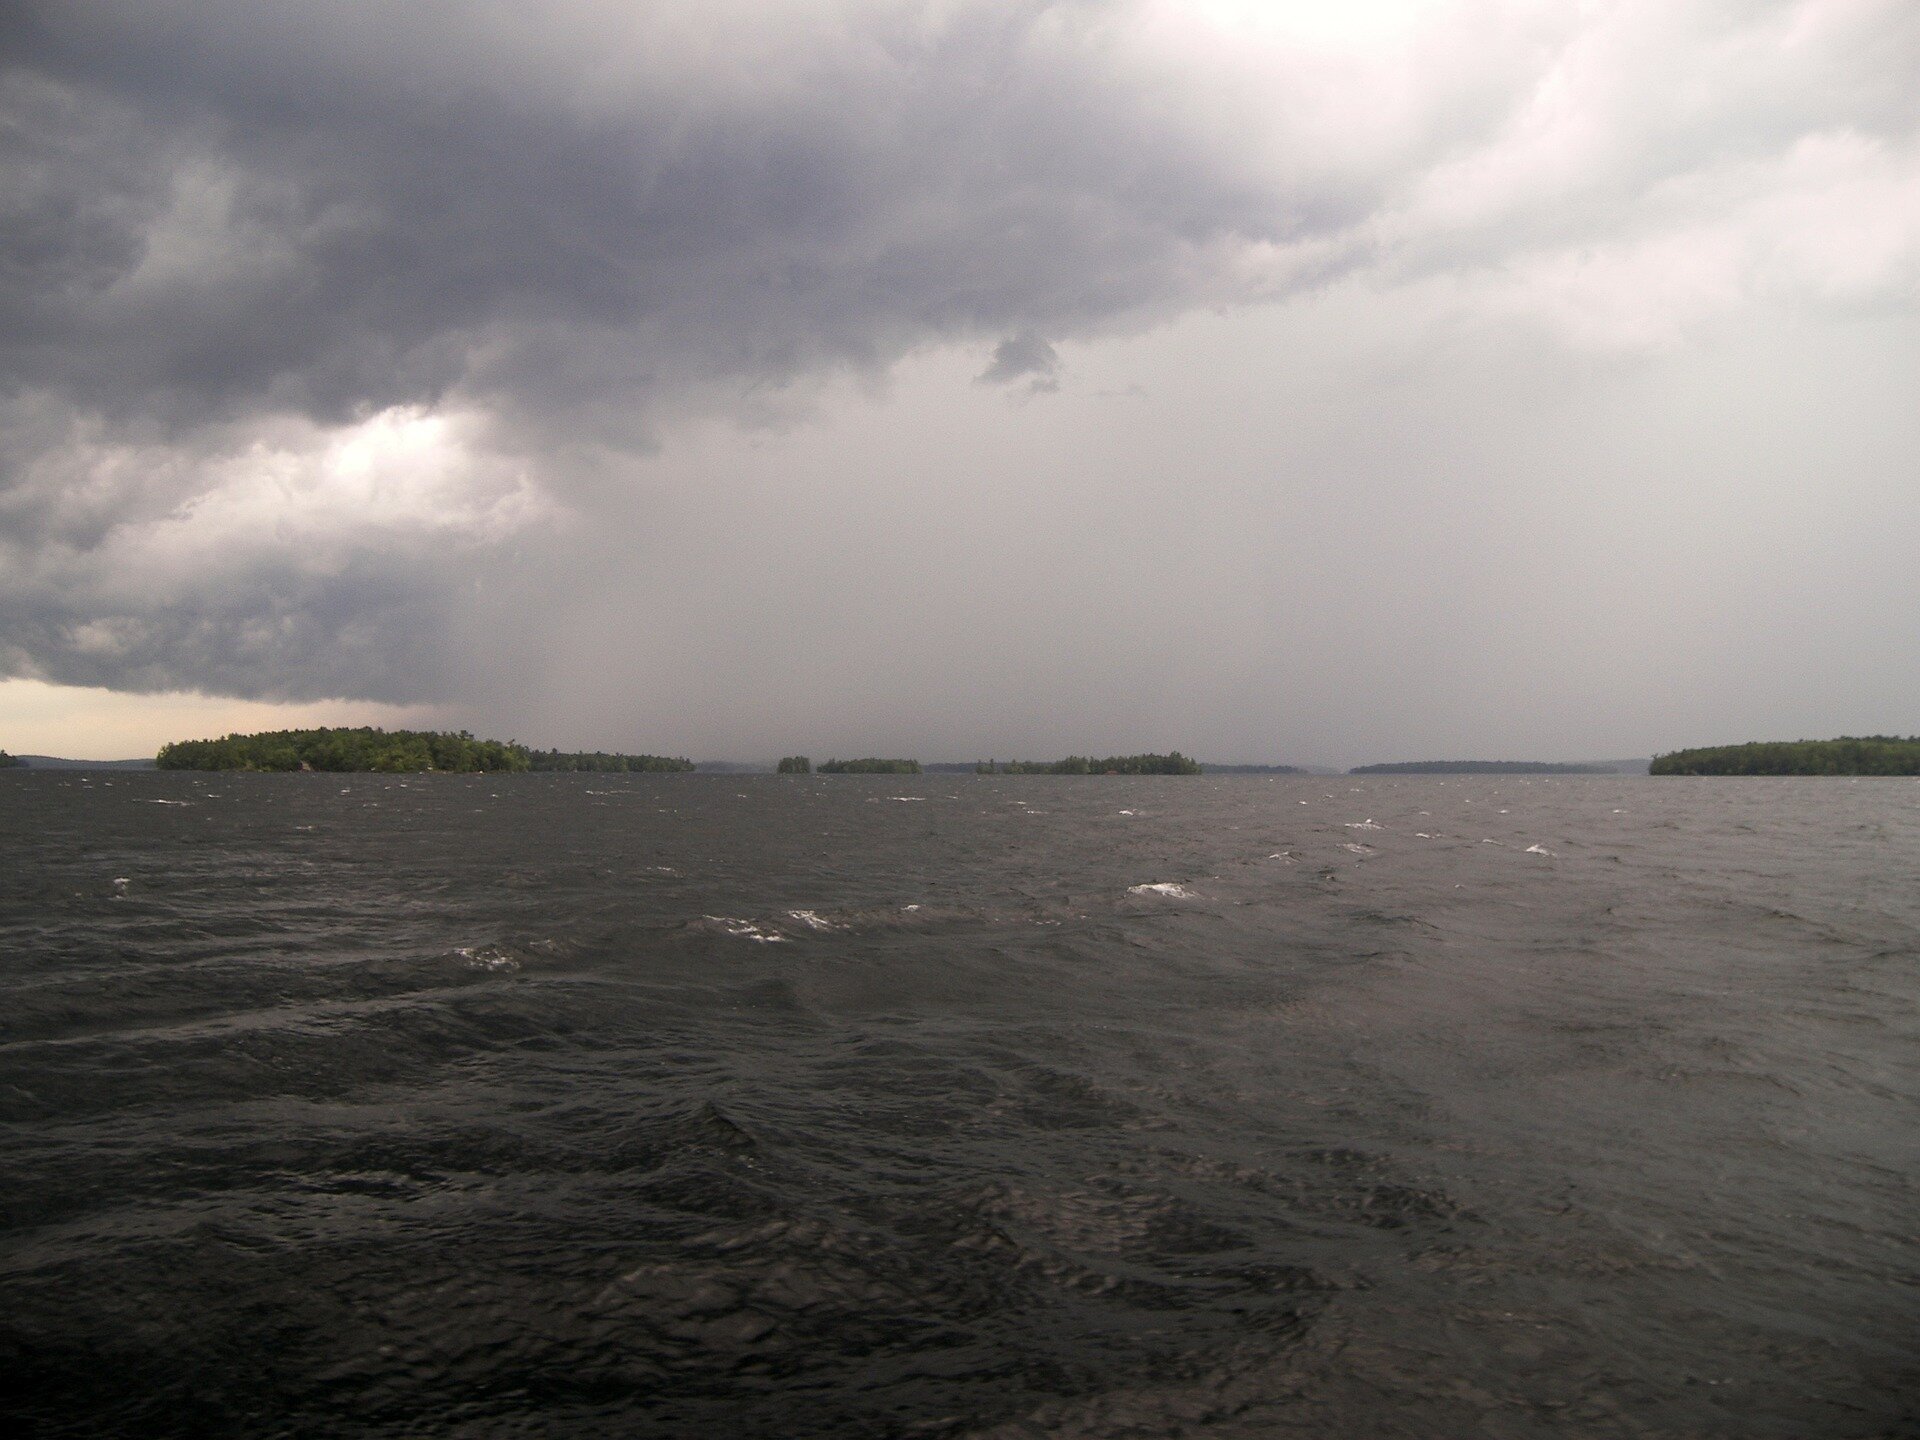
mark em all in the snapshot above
pixel 310 315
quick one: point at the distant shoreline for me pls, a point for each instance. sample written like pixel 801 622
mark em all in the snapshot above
pixel 59 762
pixel 1846 755
pixel 1496 767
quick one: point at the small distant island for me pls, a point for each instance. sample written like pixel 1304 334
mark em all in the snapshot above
pixel 366 749
pixel 794 765
pixel 1207 767
pixel 1172 763
pixel 1479 767
pixel 869 766
pixel 1847 755
pixel 601 760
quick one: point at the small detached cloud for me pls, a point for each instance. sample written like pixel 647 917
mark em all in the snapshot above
pixel 1024 357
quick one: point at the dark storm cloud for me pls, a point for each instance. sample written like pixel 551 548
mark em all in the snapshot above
pixel 375 204
pixel 311 313
pixel 571 219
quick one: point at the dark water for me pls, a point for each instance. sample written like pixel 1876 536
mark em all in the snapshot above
pixel 708 1106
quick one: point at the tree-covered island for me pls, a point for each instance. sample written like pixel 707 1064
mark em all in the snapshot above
pixel 367 749
pixel 1847 755
pixel 11 762
pixel 601 760
pixel 870 766
pixel 794 765
pixel 1172 763
pixel 1478 767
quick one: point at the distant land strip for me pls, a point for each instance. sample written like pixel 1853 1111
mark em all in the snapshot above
pixel 60 762
pixel 1172 763
pixel 1847 755
pixel 1480 767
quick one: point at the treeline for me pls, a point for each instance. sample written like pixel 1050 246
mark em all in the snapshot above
pixel 10 762
pixel 1478 767
pixel 365 748
pixel 1208 767
pixel 1173 763
pixel 868 766
pixel 794 765
pixel 361 748
pixel 1848 755
pixel 597 760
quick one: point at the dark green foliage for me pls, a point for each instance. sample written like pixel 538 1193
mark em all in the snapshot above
pixel 600 760
pixel 870 766
pixel 358 749
pixel 400 751
pixel 1848 755
pixel 796 765
pixel 1173 763
pixel 1478 767
pixel 9 762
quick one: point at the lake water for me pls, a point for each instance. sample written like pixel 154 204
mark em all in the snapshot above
pixel 954 1106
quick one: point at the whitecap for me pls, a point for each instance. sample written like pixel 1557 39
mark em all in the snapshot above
pixel 1366 824
pixel 745 929
pixel 1358 849
pixel 1541 850
pixel 487 957
pixel 814 920
pixel 1171 889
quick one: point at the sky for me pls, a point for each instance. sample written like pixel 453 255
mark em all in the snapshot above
pixel 1277 382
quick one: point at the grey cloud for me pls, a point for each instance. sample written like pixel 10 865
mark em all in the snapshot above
pixel 322 208
pixel 233 229
pixel 578 222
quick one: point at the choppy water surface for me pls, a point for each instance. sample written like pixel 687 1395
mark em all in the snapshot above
pixel 949 1106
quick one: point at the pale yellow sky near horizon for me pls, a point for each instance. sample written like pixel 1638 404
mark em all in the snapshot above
pixel 81 723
